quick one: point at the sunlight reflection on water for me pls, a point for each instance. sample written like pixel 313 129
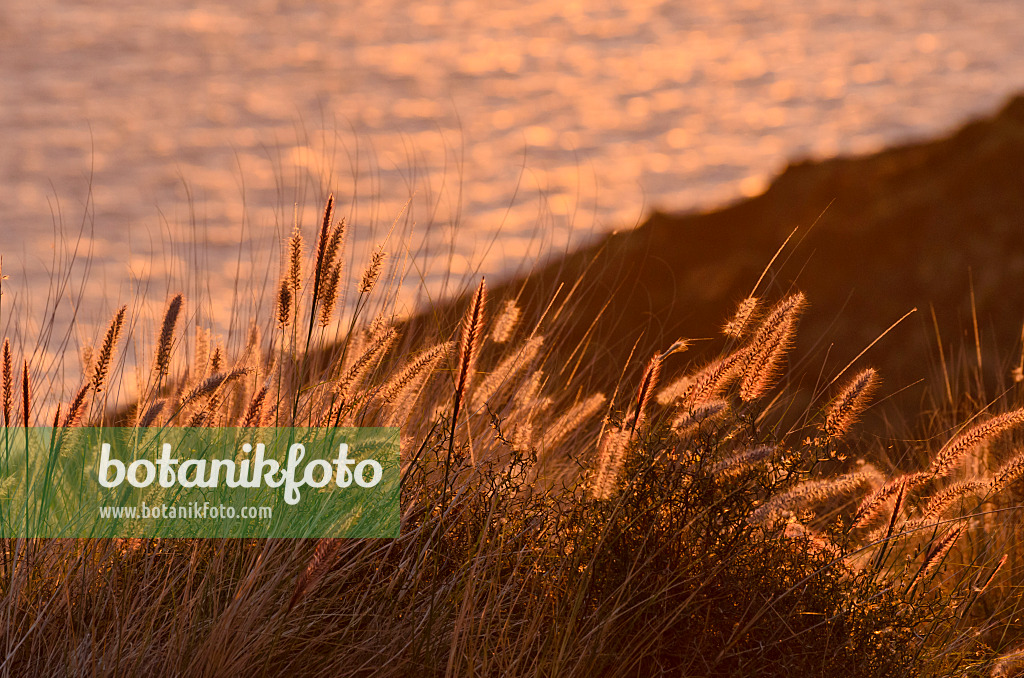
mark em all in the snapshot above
pixel 530 124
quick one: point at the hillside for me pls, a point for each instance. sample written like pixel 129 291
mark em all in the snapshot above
pixel 878 235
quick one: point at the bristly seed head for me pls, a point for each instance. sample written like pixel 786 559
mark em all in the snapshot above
pixel 372 272
pixel 848 405
pixel 166 339
pixel 737 326
pixel 99 374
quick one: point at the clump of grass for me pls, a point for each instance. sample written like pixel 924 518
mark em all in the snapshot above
pixel 546 529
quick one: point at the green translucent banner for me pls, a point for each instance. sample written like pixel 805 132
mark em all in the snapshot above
pixel 199 482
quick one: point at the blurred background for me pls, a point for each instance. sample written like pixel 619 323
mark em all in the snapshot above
pixel 184 138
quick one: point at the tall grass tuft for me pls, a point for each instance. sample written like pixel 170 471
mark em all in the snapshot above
pixel 679 524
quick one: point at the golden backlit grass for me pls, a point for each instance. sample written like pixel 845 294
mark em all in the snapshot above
pixel 682 524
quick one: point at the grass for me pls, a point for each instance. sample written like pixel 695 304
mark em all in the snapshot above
pixel 690 523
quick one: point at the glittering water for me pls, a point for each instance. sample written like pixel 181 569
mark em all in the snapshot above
pixel 174 130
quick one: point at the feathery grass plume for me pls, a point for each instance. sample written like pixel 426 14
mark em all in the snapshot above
pixel 571 420
pixel 26 396
pixel 338 413
pixel 610 459
pixel 329 295
pixel 737 326
pixel 522 436
pixel 409 376
pixel 769 346
pixel 331 272
pixel 87 355
pixel 528 397
pixel 643 396
pixel 1008 473
pixel 202 359
pixel 321 246
pixel 212 383
pixel 707 384
pixel 937 553
pixel 848 405
pixel 77 406
pixel 378 326
pixel 700 413
pixel 873 504
pixel 472 328
pixel 166 339
pixel 216 360
pixel 353 377
pixel 323 556
pixel 8 382
pixel 739 463
pixel 334 246
pixel 239 397
pixel 372 272
pixel 944 498
pixel 151 413
pixel 955 449
pixel 295 262
pixel 106 354
pixel 505 322
pixel 251 353
pixel 357 341
pixel 677 389
pixel 270 417
pixel 255 410
pixel 807 492
pixel 284 303
pixel 197 420
pixel 506 371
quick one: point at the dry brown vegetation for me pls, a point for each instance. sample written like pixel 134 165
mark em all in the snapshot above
pixel 686 521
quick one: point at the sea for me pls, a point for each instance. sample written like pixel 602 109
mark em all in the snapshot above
pixel 152 147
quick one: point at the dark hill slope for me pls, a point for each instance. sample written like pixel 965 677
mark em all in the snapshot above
pixel 879 235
